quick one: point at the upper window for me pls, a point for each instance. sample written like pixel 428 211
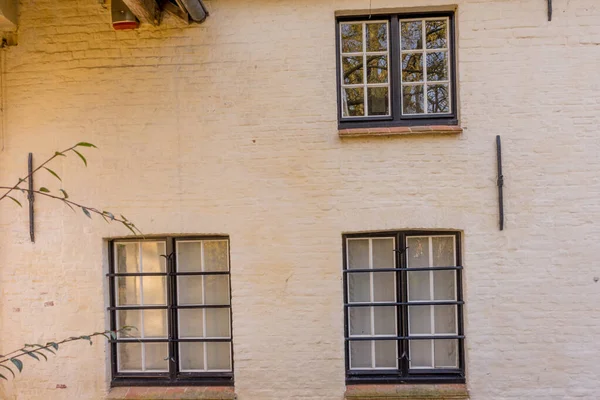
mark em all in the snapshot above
pixel 175 292
pixel 397 70
pixel 403 307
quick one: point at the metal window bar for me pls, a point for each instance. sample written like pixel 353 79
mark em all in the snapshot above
pixel 404 372
pixel 174 376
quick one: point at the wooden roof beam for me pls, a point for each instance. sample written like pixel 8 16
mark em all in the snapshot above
pixel 145 10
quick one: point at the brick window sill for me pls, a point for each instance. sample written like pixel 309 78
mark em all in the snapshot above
pixel 400 131
pixel 407 392
pixel 172 393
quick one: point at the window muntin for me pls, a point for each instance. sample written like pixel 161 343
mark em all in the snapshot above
pixel 403 307
pixel 418 81
pixel 365 69
pixel 176 292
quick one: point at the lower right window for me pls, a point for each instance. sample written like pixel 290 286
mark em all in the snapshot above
pixel 403 307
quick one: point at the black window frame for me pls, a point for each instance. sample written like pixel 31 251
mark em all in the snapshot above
pixel 396 119
pixel 404 374
pixel 173 377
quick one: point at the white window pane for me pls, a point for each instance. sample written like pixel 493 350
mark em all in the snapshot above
pixel 437 66
pixel 190 290
pixel 360 320
pixel 191 323
pixel 155 323
pixel 358 253
pixel 386 354
pixel 155 290
pixel 352 37
pixel 217 322
pixel 438 100
pixel 420 353
pixel 444 287
pixel 151 257
pixel 191 356
pixel 383 253
pixel 445 319
pixel 218 356
pixel 446 353
pixel 419 288
pixel 128 290
pixel 443 251
pixel 418 252
pixel 385 320
pixel 361 354
pixel 189 256
pixel 352 70
pixel 129 356
pixel 359 287
pixel 413 99
pixel 156 356
pixel 412 67
pixel 377 39
pixel 128 257
pixel 129 318
pixel 419 320
pixel 216 289
pixel 384 286
pixel 377 72
pixel 436 33
pixel 216 256
pixel 411 34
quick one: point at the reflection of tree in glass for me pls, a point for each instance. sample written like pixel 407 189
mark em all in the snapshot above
pixel 437 66
pixel 436 34
pixel 410 33
pixel 437 99
pixel 412 67
pixel 352 38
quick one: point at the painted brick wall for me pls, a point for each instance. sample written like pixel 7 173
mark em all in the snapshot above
pixel 230 127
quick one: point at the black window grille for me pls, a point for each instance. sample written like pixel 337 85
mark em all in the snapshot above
pixel 403 307
pixel 176 293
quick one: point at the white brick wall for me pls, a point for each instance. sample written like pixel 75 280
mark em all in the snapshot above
pixel 230 127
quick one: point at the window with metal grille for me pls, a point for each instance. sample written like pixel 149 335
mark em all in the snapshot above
pixel 403 307
pixel 176 293
pixel 396 70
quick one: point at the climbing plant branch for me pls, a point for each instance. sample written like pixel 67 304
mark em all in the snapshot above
pixel 64 196
pixel 12 360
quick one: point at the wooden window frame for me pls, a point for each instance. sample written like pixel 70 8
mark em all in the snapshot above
pixel 173 377
pixel 396 118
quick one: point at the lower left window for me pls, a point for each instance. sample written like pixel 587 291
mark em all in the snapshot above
pixel 175 292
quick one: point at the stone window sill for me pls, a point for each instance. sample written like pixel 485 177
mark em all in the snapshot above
pixel 172 393
pixel 407 392
pixel 400 131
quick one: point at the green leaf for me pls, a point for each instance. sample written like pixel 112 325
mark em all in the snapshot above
pixel 70 206
pixel 15 200
pixel 86 212
pixel 44 190
pixel 53 173
pixel 129 227
pixel 3 377
pixel 81 156
pixel 85 144
pixel 18 364
pixel 65 194
pixel 110 215
pixel 113 335
pixel 53 344
pixel 41 354
pixel 11 371
pixel 123 218
pixel 58 153
pixel 32 354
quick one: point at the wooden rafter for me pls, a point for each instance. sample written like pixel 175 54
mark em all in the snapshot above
pixel 145 10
